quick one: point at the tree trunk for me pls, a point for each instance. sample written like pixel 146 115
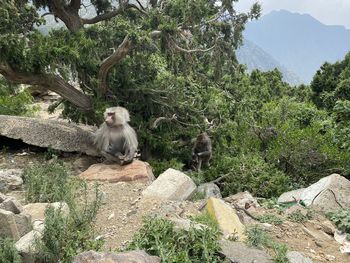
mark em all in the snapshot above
pixel 51 82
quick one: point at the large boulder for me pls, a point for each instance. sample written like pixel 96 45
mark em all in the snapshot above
pixel 59 135
pixel 243 200
pixel 10 179
pixel 239 252
pixel 227 219
pixel 291 196
pixel 171 185
pixel 113 173
pixel 330 193
pixel 37 210
pixel 8 226
pixel 11 204
pixel 137 256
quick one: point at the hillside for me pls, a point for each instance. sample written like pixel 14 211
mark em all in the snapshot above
pixel 255 57
pixel 298 41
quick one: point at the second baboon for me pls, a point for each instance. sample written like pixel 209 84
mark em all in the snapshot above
pixel 201 151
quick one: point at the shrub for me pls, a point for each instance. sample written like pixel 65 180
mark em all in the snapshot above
pixel 341 219
pixel 8 252
pixel 251 173
pixel 271 219
pixel 159 237
pixel 14 102
pixel 257 236
pixel 47 182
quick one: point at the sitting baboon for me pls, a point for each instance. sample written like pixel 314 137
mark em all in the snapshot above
pixel 116 140
pixel 201 151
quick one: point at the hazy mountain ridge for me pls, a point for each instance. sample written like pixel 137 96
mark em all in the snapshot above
pixel 298 41
pixel 254 57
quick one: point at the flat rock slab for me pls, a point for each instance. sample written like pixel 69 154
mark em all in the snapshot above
pixel 296 257
pixel 239 252
pixel 171 185
pixel 137 256
pixel 113 173
pixel 59 135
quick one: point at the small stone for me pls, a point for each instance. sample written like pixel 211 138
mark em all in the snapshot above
pixel 330 257
pixel 111 216
pixel 11 178
pixel 11 204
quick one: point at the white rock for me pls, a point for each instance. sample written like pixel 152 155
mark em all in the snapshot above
pixel 296 257
pixel 171 185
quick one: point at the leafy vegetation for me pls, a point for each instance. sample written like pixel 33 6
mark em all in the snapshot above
pixel 8 251
pixel 341 219
pixel 271 219
pixel 159 237
pixel 64 235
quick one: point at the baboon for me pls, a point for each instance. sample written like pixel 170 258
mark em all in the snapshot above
pixel 201 151
pixel 116 140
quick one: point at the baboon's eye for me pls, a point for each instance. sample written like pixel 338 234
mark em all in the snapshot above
pixel 110 113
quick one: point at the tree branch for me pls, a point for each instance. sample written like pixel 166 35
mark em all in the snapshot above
pixel 111 61
pixel 48 81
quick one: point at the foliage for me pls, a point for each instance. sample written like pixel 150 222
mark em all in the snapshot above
pixel 13 101
pixel 271 219
pixel 280 251
pixel 257 236
pixel 297 216
pixel 159 167
pixel 48 182
pixel 64 236
pixel 251 173
pixel 341 219
pixel 8 251
pixel 159 237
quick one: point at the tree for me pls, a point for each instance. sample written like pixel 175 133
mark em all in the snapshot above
pixel 183 33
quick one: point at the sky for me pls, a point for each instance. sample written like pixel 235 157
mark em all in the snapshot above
pixel 329 12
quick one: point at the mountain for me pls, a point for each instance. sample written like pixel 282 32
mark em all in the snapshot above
pixel 298 41
pixel 255 57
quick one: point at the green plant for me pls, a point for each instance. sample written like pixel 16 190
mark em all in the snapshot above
pixel 47 182
pixel 298 217
pixel 271 219
pixel 8 252
pixel 159 237
pixel 341 219
pixel 280 251
pixel 257 237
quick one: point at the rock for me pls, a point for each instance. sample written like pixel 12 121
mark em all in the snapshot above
pixel 11 178
pixel 113 173
pixel 243 200
pixel 296 257
pixel 209 189
pixel 296 209
pixel 8 226
pixel 37 210
pixel 26 245
pixel 328 227
pixel 58 135
pixel 23 223
pixel 136 256
pixel 329 194
pixel 239 252
pixel 83 163
pixel 227 219
pixel 341 238
pixel 171 185
pixel 11 204
pixel 2 197
pixel 291 196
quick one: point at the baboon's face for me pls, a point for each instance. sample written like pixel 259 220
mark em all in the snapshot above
pixel 110 119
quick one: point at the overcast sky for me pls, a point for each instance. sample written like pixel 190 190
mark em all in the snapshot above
pixel 329 12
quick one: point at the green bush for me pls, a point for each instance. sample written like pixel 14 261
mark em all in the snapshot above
pixel 257 237
pixel 251 173
pixel 341 219
pixel 14 102
pixel 158 237
pixel 271 219
pixel 8 252
pixel 47 182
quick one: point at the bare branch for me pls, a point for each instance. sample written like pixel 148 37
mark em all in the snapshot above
pixel 111 14
pixel 111 61
pixel 48 81
pixel 161 119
